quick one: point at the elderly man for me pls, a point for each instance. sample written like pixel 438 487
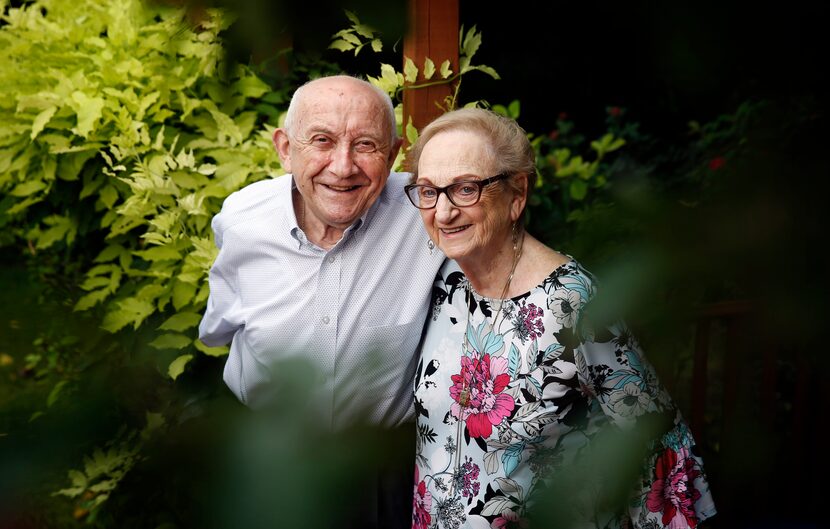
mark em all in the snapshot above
pixel 328 263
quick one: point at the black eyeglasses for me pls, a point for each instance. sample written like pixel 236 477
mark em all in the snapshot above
pixel 460 194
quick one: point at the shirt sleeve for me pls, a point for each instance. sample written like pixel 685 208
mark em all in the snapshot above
pixel 223 314
pixel 673 490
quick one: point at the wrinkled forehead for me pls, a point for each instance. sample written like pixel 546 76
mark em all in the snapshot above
pixel 454 154
pixel 343 108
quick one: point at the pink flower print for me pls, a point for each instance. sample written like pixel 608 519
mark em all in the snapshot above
pixel 467 479
pixel 508 520
pixel 528 322
pixel 673 491
pixel 480 385
pixel 421 504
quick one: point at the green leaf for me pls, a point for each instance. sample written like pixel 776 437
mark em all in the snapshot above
pixel 183 294
pixel 607 144
pixel 180 322
pixel 578 189
pixel 486 69
pixel 28 188
pixel 514 109
pixel 377 45
pixel 159 253
pixel 109 253
pixel 128 311
pixel 429 68
pixel 177 366
pixel 472 41
pixel 351 38
pixel 500 110
pixel 90 300
pixel 78 478
pixel 410 71
pixel 364 31
pixel 252 86
pixel 108 195
pixel 56 391
pixel 154 422
pixel 211 351
pixel 351 16
pixel 71 164
pixel 41 120
pixel 411 132
pixel 95 282
pixel 171 341
pixel 391 77
pixel 60 228
pixel 445 69
pixel 88 109
pixel 341 45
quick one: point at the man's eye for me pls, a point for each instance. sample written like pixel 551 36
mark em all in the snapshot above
pixel 320 140
pixel 365 146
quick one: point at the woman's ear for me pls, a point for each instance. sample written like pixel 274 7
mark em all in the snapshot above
pixel 519 201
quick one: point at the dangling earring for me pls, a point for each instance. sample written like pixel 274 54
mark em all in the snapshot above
pixel 515 236
pixel 431 246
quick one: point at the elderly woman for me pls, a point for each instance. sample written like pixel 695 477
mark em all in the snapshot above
pixel 514 383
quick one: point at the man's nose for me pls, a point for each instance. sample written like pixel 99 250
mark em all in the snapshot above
pixel 342 160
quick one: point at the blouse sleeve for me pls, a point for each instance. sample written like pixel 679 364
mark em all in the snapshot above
pixel 673 491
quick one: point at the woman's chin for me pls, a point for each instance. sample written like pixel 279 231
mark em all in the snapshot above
pixel 455 252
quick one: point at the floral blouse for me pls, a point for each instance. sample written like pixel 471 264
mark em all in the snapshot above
pixel 509 409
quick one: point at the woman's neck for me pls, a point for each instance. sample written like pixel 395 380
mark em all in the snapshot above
pixel 489 275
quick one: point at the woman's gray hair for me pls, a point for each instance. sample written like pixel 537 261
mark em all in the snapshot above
pixel 511 150
pixel 291 114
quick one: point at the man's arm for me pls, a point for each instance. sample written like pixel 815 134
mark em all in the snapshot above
pixel 222 316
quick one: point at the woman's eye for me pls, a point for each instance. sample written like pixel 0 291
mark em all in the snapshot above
pixel 428 192
pixel 466 189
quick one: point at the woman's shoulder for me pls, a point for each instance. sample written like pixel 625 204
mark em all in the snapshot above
pixel 544 265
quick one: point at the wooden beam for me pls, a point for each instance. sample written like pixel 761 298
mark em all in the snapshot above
pixel 433 33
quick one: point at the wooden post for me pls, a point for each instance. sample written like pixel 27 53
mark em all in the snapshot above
pixel 433 33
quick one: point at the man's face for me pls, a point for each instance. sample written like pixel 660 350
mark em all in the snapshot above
pixel 339 150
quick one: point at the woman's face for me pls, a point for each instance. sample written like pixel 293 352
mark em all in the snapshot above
pixel 476 232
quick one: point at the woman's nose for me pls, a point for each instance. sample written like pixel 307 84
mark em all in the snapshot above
pixel 444 209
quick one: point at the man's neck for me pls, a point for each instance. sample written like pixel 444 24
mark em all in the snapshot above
pixel 319 234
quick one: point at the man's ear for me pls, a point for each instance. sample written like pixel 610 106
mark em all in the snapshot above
pixel 517 205
pixel 283 146
pixel 393 153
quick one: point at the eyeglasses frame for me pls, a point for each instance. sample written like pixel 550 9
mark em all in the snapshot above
pixel 480 183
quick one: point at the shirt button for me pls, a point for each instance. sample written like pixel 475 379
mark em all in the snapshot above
pixel 331 259
pixel 326 320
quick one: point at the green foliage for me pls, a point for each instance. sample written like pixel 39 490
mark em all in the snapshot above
pixel 394 82
pixel 121 124
pixel 356 37
pixel 105 468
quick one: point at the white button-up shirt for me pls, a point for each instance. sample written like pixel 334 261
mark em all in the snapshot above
pixel 356 312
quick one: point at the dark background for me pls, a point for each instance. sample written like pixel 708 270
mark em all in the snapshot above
pixel 668 62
